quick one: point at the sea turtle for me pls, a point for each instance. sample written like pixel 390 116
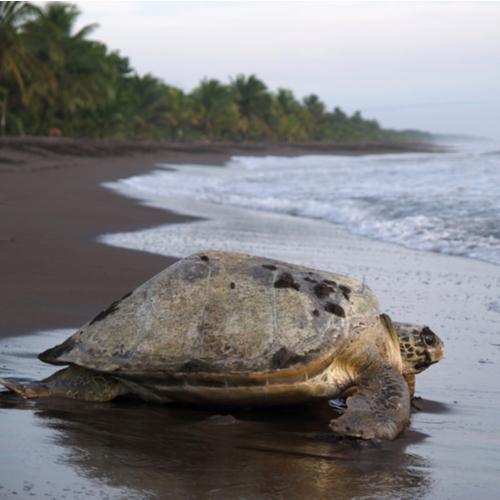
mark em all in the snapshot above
pixel 223 328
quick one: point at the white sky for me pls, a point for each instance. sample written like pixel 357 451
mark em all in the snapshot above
pixel 433 66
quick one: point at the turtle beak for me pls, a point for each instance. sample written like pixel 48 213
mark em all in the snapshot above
pixel 425 364
pixel 432 354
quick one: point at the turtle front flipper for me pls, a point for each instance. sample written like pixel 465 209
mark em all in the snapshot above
pixel 378 406
pixel 410 380
pixel 72 382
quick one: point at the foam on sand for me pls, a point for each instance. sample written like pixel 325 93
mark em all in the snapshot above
pixel 446 203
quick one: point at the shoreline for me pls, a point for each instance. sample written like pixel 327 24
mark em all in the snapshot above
pixel 55 273
pixel 46 151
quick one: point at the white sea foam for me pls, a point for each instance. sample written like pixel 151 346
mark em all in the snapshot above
pixel 447 203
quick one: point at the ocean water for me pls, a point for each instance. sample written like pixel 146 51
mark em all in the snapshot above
pixel 447 203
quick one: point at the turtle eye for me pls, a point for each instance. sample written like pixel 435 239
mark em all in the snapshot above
pixel 428 337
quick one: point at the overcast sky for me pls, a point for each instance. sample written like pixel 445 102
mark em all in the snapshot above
pixel 433 66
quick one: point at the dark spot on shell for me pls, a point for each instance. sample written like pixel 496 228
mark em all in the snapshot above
pixel 315 312
pixel 232 285
pixel 333 308
pixel 405 338
pixel 346 291
pixel 322 290
pixel 310 280
pixel 193 270
pixel 103 314
pixel 286 280
pixel 330 282
pixel 269 266
pixel 51 355
pixel 410 349
pixel 284 358
pixel 204 258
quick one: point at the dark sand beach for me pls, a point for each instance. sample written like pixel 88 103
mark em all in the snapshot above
pixel 55 275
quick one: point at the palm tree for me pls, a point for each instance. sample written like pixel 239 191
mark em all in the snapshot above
pixel 316 116
pixel 287 101
pixel 179 115
pixel 15 60
pixel 80 67
pixel 254 104
pixel 288 123
pixel 149 108
pixel 215 113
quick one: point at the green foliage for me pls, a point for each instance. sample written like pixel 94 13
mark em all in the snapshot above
pixel 54 78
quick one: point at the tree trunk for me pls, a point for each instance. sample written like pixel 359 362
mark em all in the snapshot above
pixel 3 118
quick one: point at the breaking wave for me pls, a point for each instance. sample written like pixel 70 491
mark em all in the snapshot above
pixel 447 203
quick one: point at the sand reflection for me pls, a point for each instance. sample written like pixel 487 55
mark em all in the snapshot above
pixel 184 453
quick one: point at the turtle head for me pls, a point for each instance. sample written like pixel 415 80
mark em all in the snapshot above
pixel 420 347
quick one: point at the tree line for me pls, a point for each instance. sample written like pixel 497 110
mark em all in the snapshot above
pixel 55 80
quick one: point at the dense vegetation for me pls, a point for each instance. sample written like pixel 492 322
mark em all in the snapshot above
pixel 55 80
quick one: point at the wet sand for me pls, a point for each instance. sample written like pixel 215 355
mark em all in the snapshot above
pixel 126 449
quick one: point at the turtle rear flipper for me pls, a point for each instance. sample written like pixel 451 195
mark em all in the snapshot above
pixel 379 406
pixel 27 390
pixel 72 382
